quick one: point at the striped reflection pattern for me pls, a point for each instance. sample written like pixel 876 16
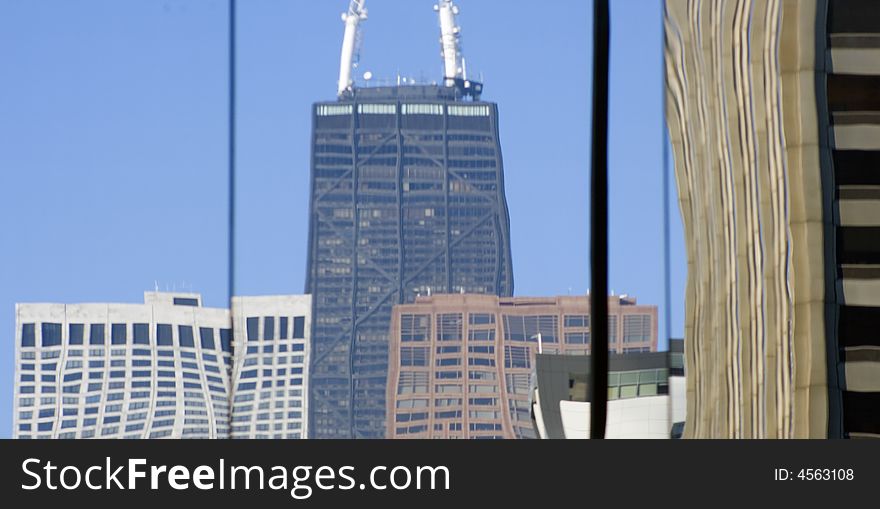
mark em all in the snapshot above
pixel 742 112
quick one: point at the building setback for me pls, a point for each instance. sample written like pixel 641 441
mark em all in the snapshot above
pixel 774 118
pixel 407 198
pixel 460 366
pixel 168 368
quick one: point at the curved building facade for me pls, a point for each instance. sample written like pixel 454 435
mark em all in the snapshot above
pixel 772 112
pixel 153 370
pixel 168 368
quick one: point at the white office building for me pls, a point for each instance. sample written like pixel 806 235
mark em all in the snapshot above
pixel 161 369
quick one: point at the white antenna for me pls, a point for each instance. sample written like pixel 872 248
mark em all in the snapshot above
pixel 450 42
pixel 357 12
pixel 156 285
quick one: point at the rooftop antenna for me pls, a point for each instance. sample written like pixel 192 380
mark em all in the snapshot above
pixel 357 12
pixel 156 285
pixel 450 42
pixel 454 66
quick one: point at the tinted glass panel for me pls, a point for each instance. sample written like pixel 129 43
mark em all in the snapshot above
pixel 206 334
pixel 854 16
pixel 226 340
pixel 282 327
pixel 861 412
pixel 141 334
pixel 96 334
pixel 857 326
pixel 118 334
pixel 185 336
pixel 854 167
pixel 253 329
pixel 51 334
pixel 268 328
pixel 851 92
pixel 75 334
pixel 858 245
pixel 299 327
pixel 164 335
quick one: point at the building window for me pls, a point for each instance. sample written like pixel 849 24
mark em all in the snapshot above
pixel 414 327
pixel 118 334
pixel 185 336
pixel 282 327
pixel 253 329
pixel 577 338
pixel 51 334
pixel 268 328
pixel 185 301
pixel 577 320
pixel 299 327
pixel 164 335
pixel 226 340
pixel 75 333
pixel 636 328
pixel 481 319
pixel 449 327
pixel 206 334
pixel 28 335
pixel 141 334
pixel 96 334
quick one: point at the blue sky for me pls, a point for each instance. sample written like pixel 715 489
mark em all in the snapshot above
pixel 113 142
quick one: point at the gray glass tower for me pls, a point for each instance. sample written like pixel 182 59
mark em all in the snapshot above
pixel 407 199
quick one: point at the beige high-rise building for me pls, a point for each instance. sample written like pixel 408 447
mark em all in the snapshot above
pixel 461 365
pixel 773 108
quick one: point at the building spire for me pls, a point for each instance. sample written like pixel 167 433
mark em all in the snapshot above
pixel 356 13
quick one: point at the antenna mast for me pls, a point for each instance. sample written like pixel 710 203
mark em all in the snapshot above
pixel 357 12
pixel 450 42
pixel 454 67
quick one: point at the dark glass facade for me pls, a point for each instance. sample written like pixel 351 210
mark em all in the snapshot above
pixel 407 199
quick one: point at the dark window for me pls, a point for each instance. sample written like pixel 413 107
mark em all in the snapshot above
pixel 118 334
pixel 207 336
pixel 253 329
pixel 857 326
pixel 141 334
pixel 226 340
pixel 299 327
pixel 858 245
pixel 75 333
pixel 185 336
pixel 282 327
pixel 861 412
pixel 268 328
pixel 184 301
pixel 96 334
pixel 854 16
pixel 857 167
pixel 51 334
pixel 164 335
pixel 853 92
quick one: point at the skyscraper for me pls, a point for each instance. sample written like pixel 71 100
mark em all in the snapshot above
pixel 407 198
pixel 773 114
